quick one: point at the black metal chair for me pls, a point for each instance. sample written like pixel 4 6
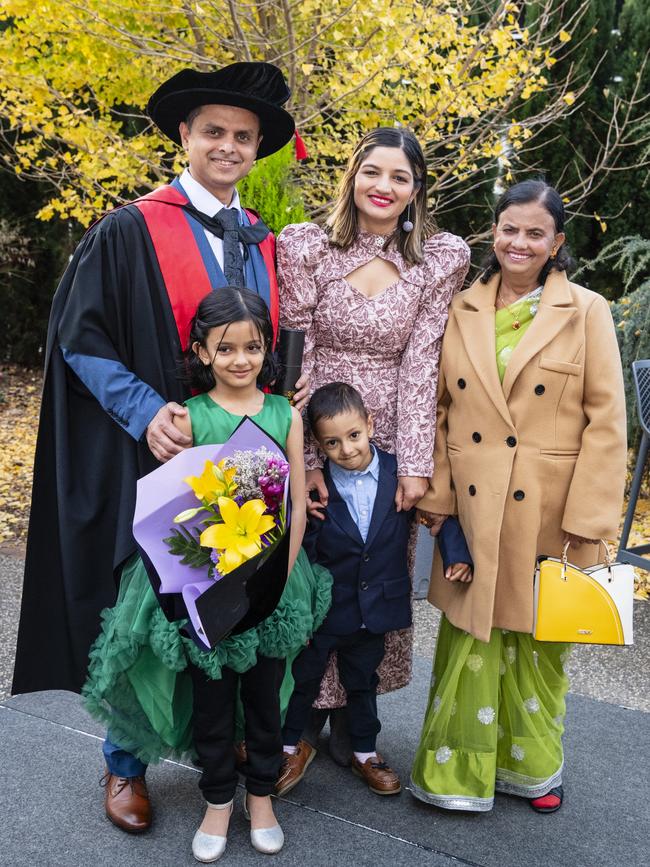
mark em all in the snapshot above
pixel 641 376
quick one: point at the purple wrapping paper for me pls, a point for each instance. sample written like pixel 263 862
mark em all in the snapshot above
pixel 162 494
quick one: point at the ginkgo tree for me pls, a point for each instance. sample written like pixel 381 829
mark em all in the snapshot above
pixel 76 76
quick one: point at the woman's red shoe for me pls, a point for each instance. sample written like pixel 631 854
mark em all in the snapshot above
pixel 550 802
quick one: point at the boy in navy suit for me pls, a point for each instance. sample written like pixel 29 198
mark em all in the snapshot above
pixel 363 541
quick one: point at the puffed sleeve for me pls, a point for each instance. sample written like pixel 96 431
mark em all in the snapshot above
pixel 595 498
pixel 444 269
pixel 299 250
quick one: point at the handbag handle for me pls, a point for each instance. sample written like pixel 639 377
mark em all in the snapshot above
pixel 565 557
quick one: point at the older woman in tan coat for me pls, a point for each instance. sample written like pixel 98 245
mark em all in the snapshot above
pixel 530 452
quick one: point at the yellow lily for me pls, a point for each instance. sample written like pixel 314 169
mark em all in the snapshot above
pixel 214 482
pixel 228 561
pixel 239 537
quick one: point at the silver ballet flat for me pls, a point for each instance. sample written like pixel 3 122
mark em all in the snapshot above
pixel 208 848
pixel 269 841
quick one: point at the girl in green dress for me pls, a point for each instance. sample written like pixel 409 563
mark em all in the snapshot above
pixel 157 691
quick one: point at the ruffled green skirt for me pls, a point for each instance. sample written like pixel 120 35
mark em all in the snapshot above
pixel 137 680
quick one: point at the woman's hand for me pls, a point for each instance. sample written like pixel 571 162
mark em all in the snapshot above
pixel 459 572
pixel 301 396
pixel 432 521
pixel 576 541
pixel 410 490
pixel 315 481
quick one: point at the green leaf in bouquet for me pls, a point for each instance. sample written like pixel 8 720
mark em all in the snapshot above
pixel 185 544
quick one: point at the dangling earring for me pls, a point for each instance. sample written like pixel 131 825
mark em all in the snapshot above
pixel 407 225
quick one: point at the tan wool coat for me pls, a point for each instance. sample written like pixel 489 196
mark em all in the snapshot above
pixel 524 461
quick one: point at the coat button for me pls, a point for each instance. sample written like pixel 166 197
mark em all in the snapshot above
pixel 364 585
pixel 366 557
pixel 511 441
pixel 472 490
pixel 476 436
pixel 539 389
pixel 519 495
pixel 461 383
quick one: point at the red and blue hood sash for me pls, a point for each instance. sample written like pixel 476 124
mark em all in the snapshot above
pixel 188 265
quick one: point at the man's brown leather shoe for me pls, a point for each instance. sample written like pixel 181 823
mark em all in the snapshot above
pixel 127 802
pixel 381 779
pixel 294 767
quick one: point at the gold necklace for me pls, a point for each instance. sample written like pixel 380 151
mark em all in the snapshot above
pixel 516 324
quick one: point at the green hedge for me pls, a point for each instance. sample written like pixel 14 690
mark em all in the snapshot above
pixel 270 190
pixel 632 319
pixel 627 261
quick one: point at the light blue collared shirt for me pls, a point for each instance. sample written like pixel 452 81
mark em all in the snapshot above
pixel 204 201
pixel 358 489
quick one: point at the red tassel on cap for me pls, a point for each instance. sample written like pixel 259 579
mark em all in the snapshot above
pixel 301 150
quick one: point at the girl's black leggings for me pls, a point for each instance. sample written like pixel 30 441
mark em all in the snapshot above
pixel 214 728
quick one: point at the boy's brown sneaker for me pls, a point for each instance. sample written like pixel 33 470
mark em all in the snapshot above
pixel 380 777
pixel 294 767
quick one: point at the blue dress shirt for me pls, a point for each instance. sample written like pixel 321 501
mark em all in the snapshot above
pixel 358 489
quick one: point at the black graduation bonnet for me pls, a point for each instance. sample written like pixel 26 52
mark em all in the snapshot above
pixel 258 87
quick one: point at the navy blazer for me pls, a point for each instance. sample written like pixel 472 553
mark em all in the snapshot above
pixel 452 543
pixel 371 581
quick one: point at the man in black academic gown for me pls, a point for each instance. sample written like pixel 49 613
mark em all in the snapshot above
pixel 119 323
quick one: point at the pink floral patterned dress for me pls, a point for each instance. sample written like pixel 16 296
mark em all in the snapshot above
pixel 387 347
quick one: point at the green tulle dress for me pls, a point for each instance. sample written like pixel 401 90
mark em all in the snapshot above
pixel 137 680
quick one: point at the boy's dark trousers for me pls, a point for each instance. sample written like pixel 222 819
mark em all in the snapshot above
pixel 214 728
pixel 359 655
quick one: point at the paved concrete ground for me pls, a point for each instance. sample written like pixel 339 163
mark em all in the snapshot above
pixel 11 580
pixel 51 805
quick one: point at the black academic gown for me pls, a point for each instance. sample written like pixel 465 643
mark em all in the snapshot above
pixel 111 303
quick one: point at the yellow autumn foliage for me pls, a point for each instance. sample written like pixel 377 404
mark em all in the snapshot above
pixel 75 79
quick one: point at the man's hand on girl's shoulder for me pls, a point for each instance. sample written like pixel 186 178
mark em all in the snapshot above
pixel 164 438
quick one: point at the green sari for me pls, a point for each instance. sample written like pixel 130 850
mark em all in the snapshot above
pixel 495 714
pixel 511 323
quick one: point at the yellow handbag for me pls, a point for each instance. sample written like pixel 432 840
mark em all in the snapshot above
pixel 584 606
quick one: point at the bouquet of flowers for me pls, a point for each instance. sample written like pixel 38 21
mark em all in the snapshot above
pixel 224 566
pixel 242 498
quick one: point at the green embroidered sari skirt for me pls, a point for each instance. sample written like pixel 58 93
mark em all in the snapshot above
pixel 494 720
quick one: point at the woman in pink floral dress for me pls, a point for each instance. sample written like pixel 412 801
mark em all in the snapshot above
pixel 372 293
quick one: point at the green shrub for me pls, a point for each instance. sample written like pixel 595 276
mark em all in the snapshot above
pixel 628 259
pixel 270 190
